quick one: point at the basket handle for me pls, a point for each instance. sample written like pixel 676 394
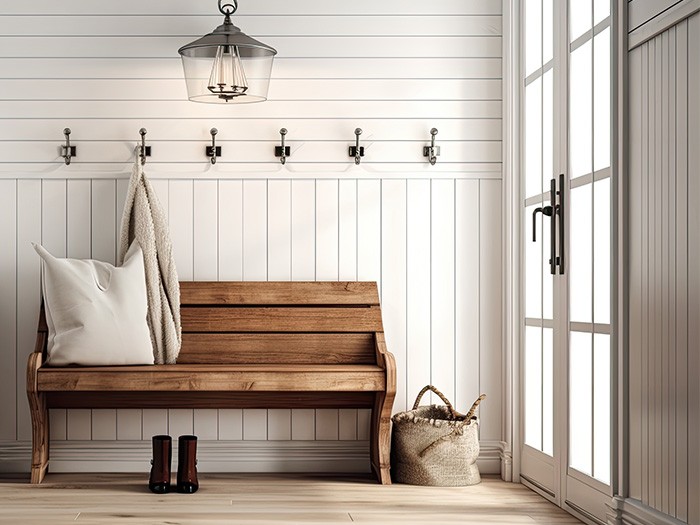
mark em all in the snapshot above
pixel 472 410
pixel 454 413
pixel 440 395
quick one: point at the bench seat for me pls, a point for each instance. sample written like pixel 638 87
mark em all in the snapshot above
pixel 244 345
pixel 208 378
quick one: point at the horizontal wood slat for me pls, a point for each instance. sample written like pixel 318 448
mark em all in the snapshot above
pixel 194 399
pixel 376 109
pixel 260 26
pixel 282 89
pixel 285 68
pixel 384 151
pixel 256 378
pixel 267 7
pixel 280 319
pixel 277 348
pixel 88 131
pixel 287 46
pixel 278 293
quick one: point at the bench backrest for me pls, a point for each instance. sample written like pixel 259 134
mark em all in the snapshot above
pixel 279 322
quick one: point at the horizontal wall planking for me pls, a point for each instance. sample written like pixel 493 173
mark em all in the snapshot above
pixel 154 89
pixel 268 129
pixel 242 151
pixel 270 109
pixel 258 7
pixel 258 26
pixel 284 68
pixel 272 171
pixel 161 47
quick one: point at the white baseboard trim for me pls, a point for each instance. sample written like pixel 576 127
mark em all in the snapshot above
pixel 216 456
pixel 633 512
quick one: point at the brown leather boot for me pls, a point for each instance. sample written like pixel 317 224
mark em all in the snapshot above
pixel 159 482
pixel 187 465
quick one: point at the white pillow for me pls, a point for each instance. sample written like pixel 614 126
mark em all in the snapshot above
pixel 96 313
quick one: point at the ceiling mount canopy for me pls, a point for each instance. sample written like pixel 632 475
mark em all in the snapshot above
pixel 227 66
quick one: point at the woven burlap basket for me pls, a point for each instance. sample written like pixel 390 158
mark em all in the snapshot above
pixel 436 445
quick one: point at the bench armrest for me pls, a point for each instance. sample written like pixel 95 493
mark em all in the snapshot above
pixel 386 360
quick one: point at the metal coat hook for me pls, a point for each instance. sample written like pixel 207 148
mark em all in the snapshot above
pixel 68 151
pixel 283 151
pixel 357 151
pixel 213 151
pixel 432 151
pixel 144 151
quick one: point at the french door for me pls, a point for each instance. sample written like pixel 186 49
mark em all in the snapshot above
pixel 566 252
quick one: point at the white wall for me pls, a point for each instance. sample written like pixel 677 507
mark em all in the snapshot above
pixel 664 285
pixel 430 235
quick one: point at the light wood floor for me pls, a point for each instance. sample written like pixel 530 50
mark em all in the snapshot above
pixel 247 499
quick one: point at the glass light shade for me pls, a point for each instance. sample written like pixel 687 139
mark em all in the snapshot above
pixel 227 66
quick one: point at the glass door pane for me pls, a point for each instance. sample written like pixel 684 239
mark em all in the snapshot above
pixel 538 161
pixel 589 220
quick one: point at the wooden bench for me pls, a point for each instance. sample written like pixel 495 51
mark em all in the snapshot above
pixel 244 345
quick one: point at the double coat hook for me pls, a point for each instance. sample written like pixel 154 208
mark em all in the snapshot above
pixel 357 151
pixel 213 151
pixel 282 151
pixel 432 151
pixel 144 151
pixel 68 151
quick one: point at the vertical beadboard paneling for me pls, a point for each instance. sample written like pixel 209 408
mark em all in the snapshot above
pixel 442 287
pixel 418 274
pixel 206 268
pixel 693 275
pixel 644 255
pixel 670 280
pixel 467 287
pixel 347 271
pixel 303 216
pixel 28 291
pixel 181 222
pixel 664 288
pixel 279 267
pixel 103 243
pixel 8 309
pixel 636 385
pixel 326 248
pixel 490 306
pixel 394 234
pixel 369 253
pixel 681 327
pixel 231 230
pixel 54 227
pixel 255 228
pixel 230 269
pixel 303 267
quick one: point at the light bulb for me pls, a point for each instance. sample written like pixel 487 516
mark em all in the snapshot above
pixel 227 79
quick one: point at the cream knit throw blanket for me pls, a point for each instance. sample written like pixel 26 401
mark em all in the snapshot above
pixel 145 221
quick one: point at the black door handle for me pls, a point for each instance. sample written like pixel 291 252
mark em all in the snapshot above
pixel 556 212
pixel 548 211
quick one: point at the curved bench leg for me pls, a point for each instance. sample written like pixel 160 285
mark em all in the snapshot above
pixel 380 437
pixel 40 436
pixel 40 420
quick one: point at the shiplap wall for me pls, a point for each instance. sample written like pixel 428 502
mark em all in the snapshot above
pixel 430 235
pixel 664 280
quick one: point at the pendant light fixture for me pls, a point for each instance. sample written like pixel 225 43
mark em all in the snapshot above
pixel 227 66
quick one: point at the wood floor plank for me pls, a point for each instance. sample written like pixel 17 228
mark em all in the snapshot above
pixel 270 498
